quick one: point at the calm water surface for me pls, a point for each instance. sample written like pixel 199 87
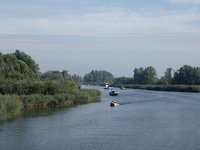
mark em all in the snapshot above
pixel 144 120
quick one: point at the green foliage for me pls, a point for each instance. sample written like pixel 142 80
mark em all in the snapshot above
pixel 55 75
pixel 27 62
pixel 10 106
pixel 178 88
pixel 2 66
pixel 76 78
pixel 35 100
pixel 167 78
pixel 145 75
pixel 86 95
pixel 122 81
pixel 187 75
pixel 21 88
pixel 60 76
pixel 27 87
pixel 16 95
pixel 98 77
pixel 18 65
pixel 145 78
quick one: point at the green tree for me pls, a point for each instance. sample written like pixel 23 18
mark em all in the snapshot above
pixel 168 75
pixel 76 78
pixel 139 75
pixel 167 78
pixel 33 71
pixel 187 75
pixel 18 65
pixel 2 65
pixel 145 76
pixel 52 75
pixel 150 75
pixel 98 77
pixel 123 80
pixel 65 74
pixel 11 69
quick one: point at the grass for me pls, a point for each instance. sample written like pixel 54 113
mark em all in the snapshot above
pixel 177 88
pixel 13 105
pixel 10 106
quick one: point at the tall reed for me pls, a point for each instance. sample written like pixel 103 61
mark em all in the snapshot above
pixel 10 106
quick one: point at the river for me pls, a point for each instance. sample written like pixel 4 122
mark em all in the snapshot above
pixel 144 120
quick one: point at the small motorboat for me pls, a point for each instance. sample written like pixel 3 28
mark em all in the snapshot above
pixel 106 87
pixel 113 93
pixel 113 103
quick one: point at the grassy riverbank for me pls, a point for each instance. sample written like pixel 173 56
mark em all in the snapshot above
pixel 176 88
pixel 16 96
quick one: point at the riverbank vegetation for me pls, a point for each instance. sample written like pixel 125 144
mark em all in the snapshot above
pixel 176 88
pixel 12 105
pixel 98 77
pixel 22 86
pixel 185 79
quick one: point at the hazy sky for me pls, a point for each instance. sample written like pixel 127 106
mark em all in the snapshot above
pixel 112 35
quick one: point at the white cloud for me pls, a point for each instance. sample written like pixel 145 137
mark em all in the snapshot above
pixel 102 23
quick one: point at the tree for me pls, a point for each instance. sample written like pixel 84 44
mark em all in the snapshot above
pixel 150 75
pixel 2 65
pixel 31 64
pixel 53 75
pixel 12 67
pixel 18 65
pixel 187 75
pixel 76 78
pixel 88 78
pixel 98 77
pixel 123 80
pixel 145 76
pixel 168 75
pixel 139 75
pixel 167 78
pixel 65 74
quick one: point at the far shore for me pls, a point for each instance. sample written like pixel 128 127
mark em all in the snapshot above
pixel 175 88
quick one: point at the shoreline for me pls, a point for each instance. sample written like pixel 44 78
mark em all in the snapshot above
pixel 168 88
pixel 13 106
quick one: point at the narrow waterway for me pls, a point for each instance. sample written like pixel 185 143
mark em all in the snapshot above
pixel 144 120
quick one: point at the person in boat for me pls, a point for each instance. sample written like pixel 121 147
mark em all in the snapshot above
pixel 113 103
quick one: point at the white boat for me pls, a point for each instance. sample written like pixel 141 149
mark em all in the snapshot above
pixel 113 103
pixel 113 93
pixel 106 87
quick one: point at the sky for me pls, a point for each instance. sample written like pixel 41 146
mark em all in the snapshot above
pixel 112 35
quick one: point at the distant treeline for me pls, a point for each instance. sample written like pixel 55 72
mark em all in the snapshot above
pixel 22 86
pixel 98 77
pixel 60 76
pixel 185 79
pixel 187 75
